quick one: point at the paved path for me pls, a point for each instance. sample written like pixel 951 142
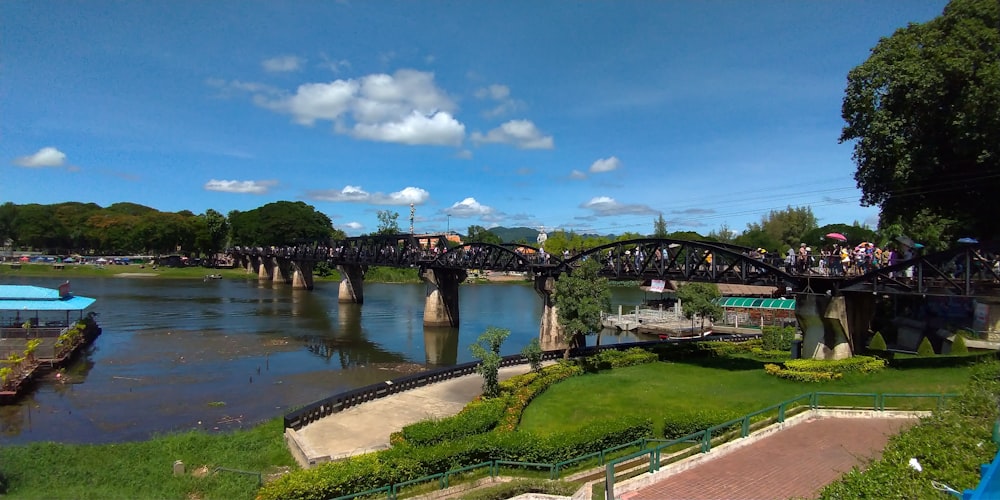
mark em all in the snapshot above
pixel 367 426
pixel 796 462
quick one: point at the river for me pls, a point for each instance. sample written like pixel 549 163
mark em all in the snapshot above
pixel 224 354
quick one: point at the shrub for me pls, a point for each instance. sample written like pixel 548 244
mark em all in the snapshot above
pixel 761 353
pixel 519 487
pixel 925 349
pixel 776 338
pixel 958 346
pixel 476 418
pixel 533 353
pixel 608 359
pixel 877 343
pixel 815 370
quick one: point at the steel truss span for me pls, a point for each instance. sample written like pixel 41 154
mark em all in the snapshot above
pixel 966 270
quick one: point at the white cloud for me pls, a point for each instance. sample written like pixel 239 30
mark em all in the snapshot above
pixel 496 92
pixel 604 206
pixel 501 95
pixel 251 187
pixel 576 174
pixel 405 107
pixel 606 165
pixel 45 157
pixel 468 207
pixel 282 64
pixel 355 194
pixel 408 195
pixel 354 226
pixel 229 87
pixel 521 133
pixel 464 154
pixel 439 129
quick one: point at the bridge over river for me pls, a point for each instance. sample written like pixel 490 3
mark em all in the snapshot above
pixel 833 311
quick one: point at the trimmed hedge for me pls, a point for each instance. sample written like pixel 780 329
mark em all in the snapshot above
pixel 402 463
pixel 475 435
pixel 815 370
pixel 777 338
pixel 925 349
pixel 958 346
pixel 877 343
pixel 476 418
pixel 680 425
pixel 520 487
pixel 609 359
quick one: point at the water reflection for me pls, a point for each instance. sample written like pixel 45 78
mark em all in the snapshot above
pixel 441 345
pixel 171 350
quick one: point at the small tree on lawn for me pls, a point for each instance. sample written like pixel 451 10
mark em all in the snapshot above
pixel 533 353
pixel 580 297
pixel 958 345
pixel 699 299
pixel 487 350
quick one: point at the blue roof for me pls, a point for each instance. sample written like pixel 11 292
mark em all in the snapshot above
pixel 36 298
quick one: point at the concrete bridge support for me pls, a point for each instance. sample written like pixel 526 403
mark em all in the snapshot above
pixel 441 302
pixel 352 290
pixel 834 327
pixel 248 263
pixel 265 270
pixel 550 333
pixel 302 274
pixel 281 270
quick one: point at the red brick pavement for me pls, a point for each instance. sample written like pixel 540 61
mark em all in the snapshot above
pixel 793 463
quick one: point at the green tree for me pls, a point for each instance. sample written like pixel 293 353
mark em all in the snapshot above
pixel 923 112
pixel 213 231
pixel 533 353
pixel 698 299
pixel 280 223
pixel 487 350
pixel 722 235
pixel 787 226
pixel 479 234
pixel 580 297
pixel 388 222
pixel 659 227
pixel 8 223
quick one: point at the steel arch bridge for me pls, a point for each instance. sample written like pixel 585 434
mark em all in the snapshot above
pixel 966 270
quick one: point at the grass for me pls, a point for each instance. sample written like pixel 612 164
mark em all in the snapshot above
pixel 659 389
pixel 145 469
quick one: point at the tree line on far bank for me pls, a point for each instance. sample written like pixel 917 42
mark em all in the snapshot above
pixel 133 229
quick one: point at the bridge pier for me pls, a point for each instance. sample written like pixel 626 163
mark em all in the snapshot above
pixel 302 274
pixel 352 290
pixel 249 264
pixel 265 270
pixel 441 302
pixel 281 270
pixel 550 333
pixel 833 327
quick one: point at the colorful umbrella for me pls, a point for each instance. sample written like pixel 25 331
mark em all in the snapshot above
pixel 836 236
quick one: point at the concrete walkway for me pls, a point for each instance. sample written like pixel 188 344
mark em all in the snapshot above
pixel 367 426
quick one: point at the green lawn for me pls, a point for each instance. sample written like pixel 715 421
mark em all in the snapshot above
pixel 145 469
pixel 658 389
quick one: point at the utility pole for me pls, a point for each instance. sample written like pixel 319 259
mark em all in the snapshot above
pixel 413 211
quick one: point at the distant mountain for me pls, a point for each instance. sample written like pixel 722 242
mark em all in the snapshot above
pixel 516 234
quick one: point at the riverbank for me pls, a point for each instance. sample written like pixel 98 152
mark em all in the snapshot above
pixel 374 275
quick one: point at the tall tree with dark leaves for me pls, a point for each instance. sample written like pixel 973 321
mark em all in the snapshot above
pixel 923 113
pixel 580 297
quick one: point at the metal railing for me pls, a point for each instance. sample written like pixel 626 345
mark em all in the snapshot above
pixel 658 452
pixel 705 438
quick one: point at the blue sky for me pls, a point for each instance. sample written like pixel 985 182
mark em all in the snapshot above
pixel 587 116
